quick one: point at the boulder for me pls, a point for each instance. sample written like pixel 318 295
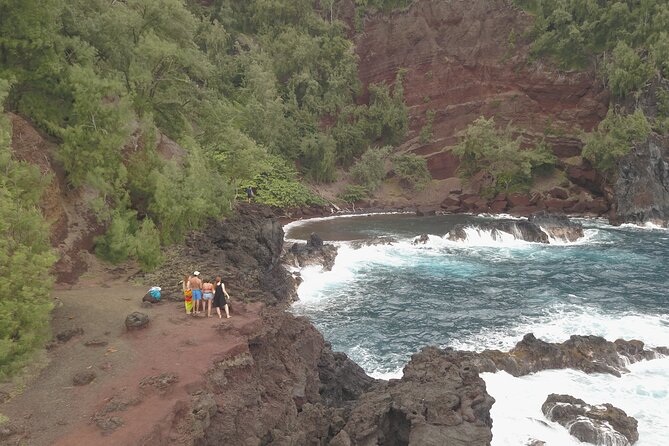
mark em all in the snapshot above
pixel 83 378
pixel 314 252
pixel 603 424
pixel 68 334
pixel 421 239
pixel 559 193
pixel 136 321
pixel 518 200
pixel 450 201
pixel 558 227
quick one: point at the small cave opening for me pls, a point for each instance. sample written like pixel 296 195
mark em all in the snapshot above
pixel 395 429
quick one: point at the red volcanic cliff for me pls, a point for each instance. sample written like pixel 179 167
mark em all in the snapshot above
pixel 466 59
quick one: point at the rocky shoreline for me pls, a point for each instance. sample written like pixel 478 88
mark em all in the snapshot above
pixel 290 388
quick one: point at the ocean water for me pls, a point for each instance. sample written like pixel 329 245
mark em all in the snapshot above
pixel 382 303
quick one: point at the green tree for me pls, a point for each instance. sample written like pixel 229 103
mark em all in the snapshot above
pixel 626 72
pixel 614 138
pixel 485 148
pixel 370 170
pixel 25 253
pixel 412 171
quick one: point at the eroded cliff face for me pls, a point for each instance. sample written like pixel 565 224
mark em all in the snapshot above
pixel 468 59
pixel 640 191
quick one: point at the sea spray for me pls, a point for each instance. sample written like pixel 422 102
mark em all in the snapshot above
pixel 382 303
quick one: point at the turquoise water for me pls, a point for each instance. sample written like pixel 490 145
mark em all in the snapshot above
pixel 380 304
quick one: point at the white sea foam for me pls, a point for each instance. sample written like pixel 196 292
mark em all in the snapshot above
pixel 643 393
pixel 563 320
pixel 517 416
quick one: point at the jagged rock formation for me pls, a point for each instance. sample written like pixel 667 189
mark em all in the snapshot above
pixel 604 425
pixel 591 354
pixel 557 226
pixel 642 185
pixel 440 400
pixel 245 250
pixel 314 252
pixel 539 228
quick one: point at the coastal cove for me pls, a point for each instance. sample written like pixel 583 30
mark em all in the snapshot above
pixel 383 302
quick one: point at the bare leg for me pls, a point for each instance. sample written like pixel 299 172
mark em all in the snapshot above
pixel 218 311
pixel 208 307
pixel 227 311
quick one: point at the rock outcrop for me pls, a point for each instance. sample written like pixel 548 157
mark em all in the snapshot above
pixel 604 424
pixel 245 250
pixel 539 228
pixel 557 226
pixel 642 187
pixel 591 354
pixel 440 400
pixel 521 230
pixel 313 252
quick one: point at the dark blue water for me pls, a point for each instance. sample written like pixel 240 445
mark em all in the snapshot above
pixel 381 304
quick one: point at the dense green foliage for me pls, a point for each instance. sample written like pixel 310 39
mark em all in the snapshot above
pixel 237 84
pixel 485 148
pixel 412 171
pixel 255 92
pixel 353 193
pixel 276 186
pixel 631 35
pixel 25 256
pixel 370 170
pixel 614 138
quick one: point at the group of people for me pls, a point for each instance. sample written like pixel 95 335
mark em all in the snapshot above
pixel 205 293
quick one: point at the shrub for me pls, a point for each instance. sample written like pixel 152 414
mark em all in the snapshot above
pixel 25 258
pixel 485 148
pixel 426 131
pixel 626 72
pixel 370 170
pixel 354 193
pixel 614 138
pixel 412 171
pixel 279 186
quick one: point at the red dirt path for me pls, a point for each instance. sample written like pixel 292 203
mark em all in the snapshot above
pixel 52 411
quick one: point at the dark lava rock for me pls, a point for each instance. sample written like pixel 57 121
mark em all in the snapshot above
pixel 376 240
pixel 536 443
pixel 557 226
pixel 108 424
pixel 83 378
pixel 314 252
pixel 245 250
pixel 341 380
pixel 601 425
pixel 641 191
pixel 537 229
pixel 521 229
pixel 136 321
pixel 96 343
pixel 590 354
pixel 440 400
pixel 68 334
pixel 422 239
